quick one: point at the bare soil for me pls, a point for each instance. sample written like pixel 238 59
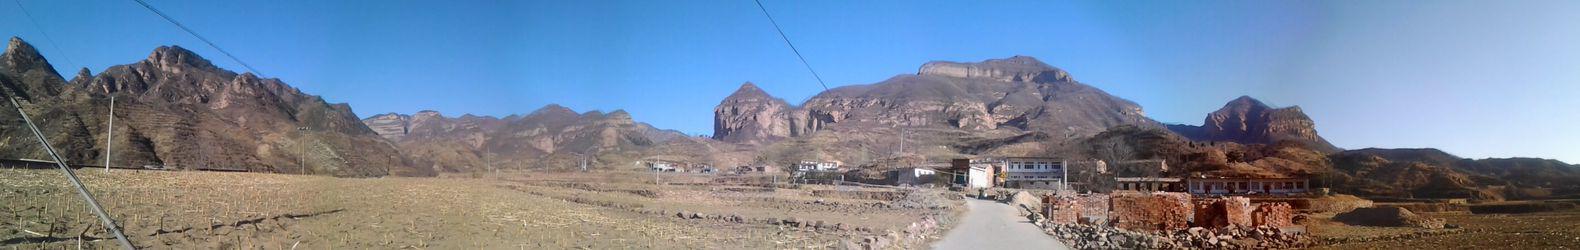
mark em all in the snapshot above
pixel 185 210
pixel 1542 230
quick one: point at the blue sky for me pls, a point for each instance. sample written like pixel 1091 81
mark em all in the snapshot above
pixel 1475 78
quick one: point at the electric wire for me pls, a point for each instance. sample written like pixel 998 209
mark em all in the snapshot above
pixel 40 29
pixel 787 42
pixel 199 37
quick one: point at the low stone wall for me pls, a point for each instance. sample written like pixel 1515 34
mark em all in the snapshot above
pixel 860 194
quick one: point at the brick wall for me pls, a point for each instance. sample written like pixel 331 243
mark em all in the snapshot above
pixel 1277 214
pixel 1061 209
pixel 1154 211
pixel 1223 212
pixel 1093 209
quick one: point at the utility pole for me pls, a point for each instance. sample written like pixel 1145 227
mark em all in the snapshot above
pixel 301 147
pixel 902 141
pixel 72 176
pixel 109 138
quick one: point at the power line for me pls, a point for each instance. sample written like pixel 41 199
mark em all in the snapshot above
pixel 41 31
pixel 787 42
pixel 199 37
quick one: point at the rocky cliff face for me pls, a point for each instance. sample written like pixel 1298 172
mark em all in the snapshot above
pixel 1017 93
pixel 750 115
pixel 391 126
pixel 176 109
pixel 1247 120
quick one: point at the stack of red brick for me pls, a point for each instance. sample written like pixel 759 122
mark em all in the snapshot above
pixel 1154 211
pixel 1223 212
pixel 1093 208
pixel 1164 211
pixel 1277 214
pixel 1061 209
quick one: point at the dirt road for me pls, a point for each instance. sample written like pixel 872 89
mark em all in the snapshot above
pixel 993 225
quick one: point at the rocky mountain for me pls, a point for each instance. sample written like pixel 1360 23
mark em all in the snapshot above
pixel 751 116
pixel 553 137
pixel 943 103
pixel 1247 120
pixel 1019 93
pixel 176 109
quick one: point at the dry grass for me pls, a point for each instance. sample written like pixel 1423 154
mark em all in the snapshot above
pixel 1546 230
pixel 271 211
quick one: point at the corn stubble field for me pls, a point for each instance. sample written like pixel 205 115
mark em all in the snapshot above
pixel 159 209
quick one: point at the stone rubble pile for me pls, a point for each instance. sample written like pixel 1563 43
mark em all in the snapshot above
pixel 1234 237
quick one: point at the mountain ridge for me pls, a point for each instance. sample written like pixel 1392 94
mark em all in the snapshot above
pixel 175 109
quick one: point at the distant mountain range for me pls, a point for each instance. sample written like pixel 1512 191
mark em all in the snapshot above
pixel 176 109
pixel 549 138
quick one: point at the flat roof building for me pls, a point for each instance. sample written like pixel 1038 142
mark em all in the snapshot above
pixel 1247 186
pixel 1034 172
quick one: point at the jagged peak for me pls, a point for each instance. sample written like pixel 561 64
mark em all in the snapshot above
pixel 428 112
pixel 553 108
pixel 21 55
pixel 750 92
pixel 176 55
pixel 749 89
pixel 17 45
pixel 1246 100
pixel 83 76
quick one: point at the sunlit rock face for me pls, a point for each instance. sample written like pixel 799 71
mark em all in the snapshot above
pixel 1019 93
pixel 1247 120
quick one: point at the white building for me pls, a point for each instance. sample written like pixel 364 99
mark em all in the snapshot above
pixel 979 177
pixel 915 176
pixel 663 166
pixel 1034 172
pixel 817 166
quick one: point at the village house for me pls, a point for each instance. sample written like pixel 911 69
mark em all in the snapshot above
pixel 1201 185
pixel 914 176
pixel 663 166
pixel 972 173
pixel 1151 184
pixel 756 169
pixel 817 166
pixel 1034 172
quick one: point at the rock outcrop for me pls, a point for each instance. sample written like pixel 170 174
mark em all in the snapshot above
pixel 389 125
pixel 1019 94
pixel 1247 120
pixel 751 116
pixel 175 109
pixel 28 73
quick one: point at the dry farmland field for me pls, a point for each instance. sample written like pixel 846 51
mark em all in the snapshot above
pixel 1536 230
pixel 600 210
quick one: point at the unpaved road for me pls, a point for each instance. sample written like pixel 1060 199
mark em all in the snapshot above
pixel 993 225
